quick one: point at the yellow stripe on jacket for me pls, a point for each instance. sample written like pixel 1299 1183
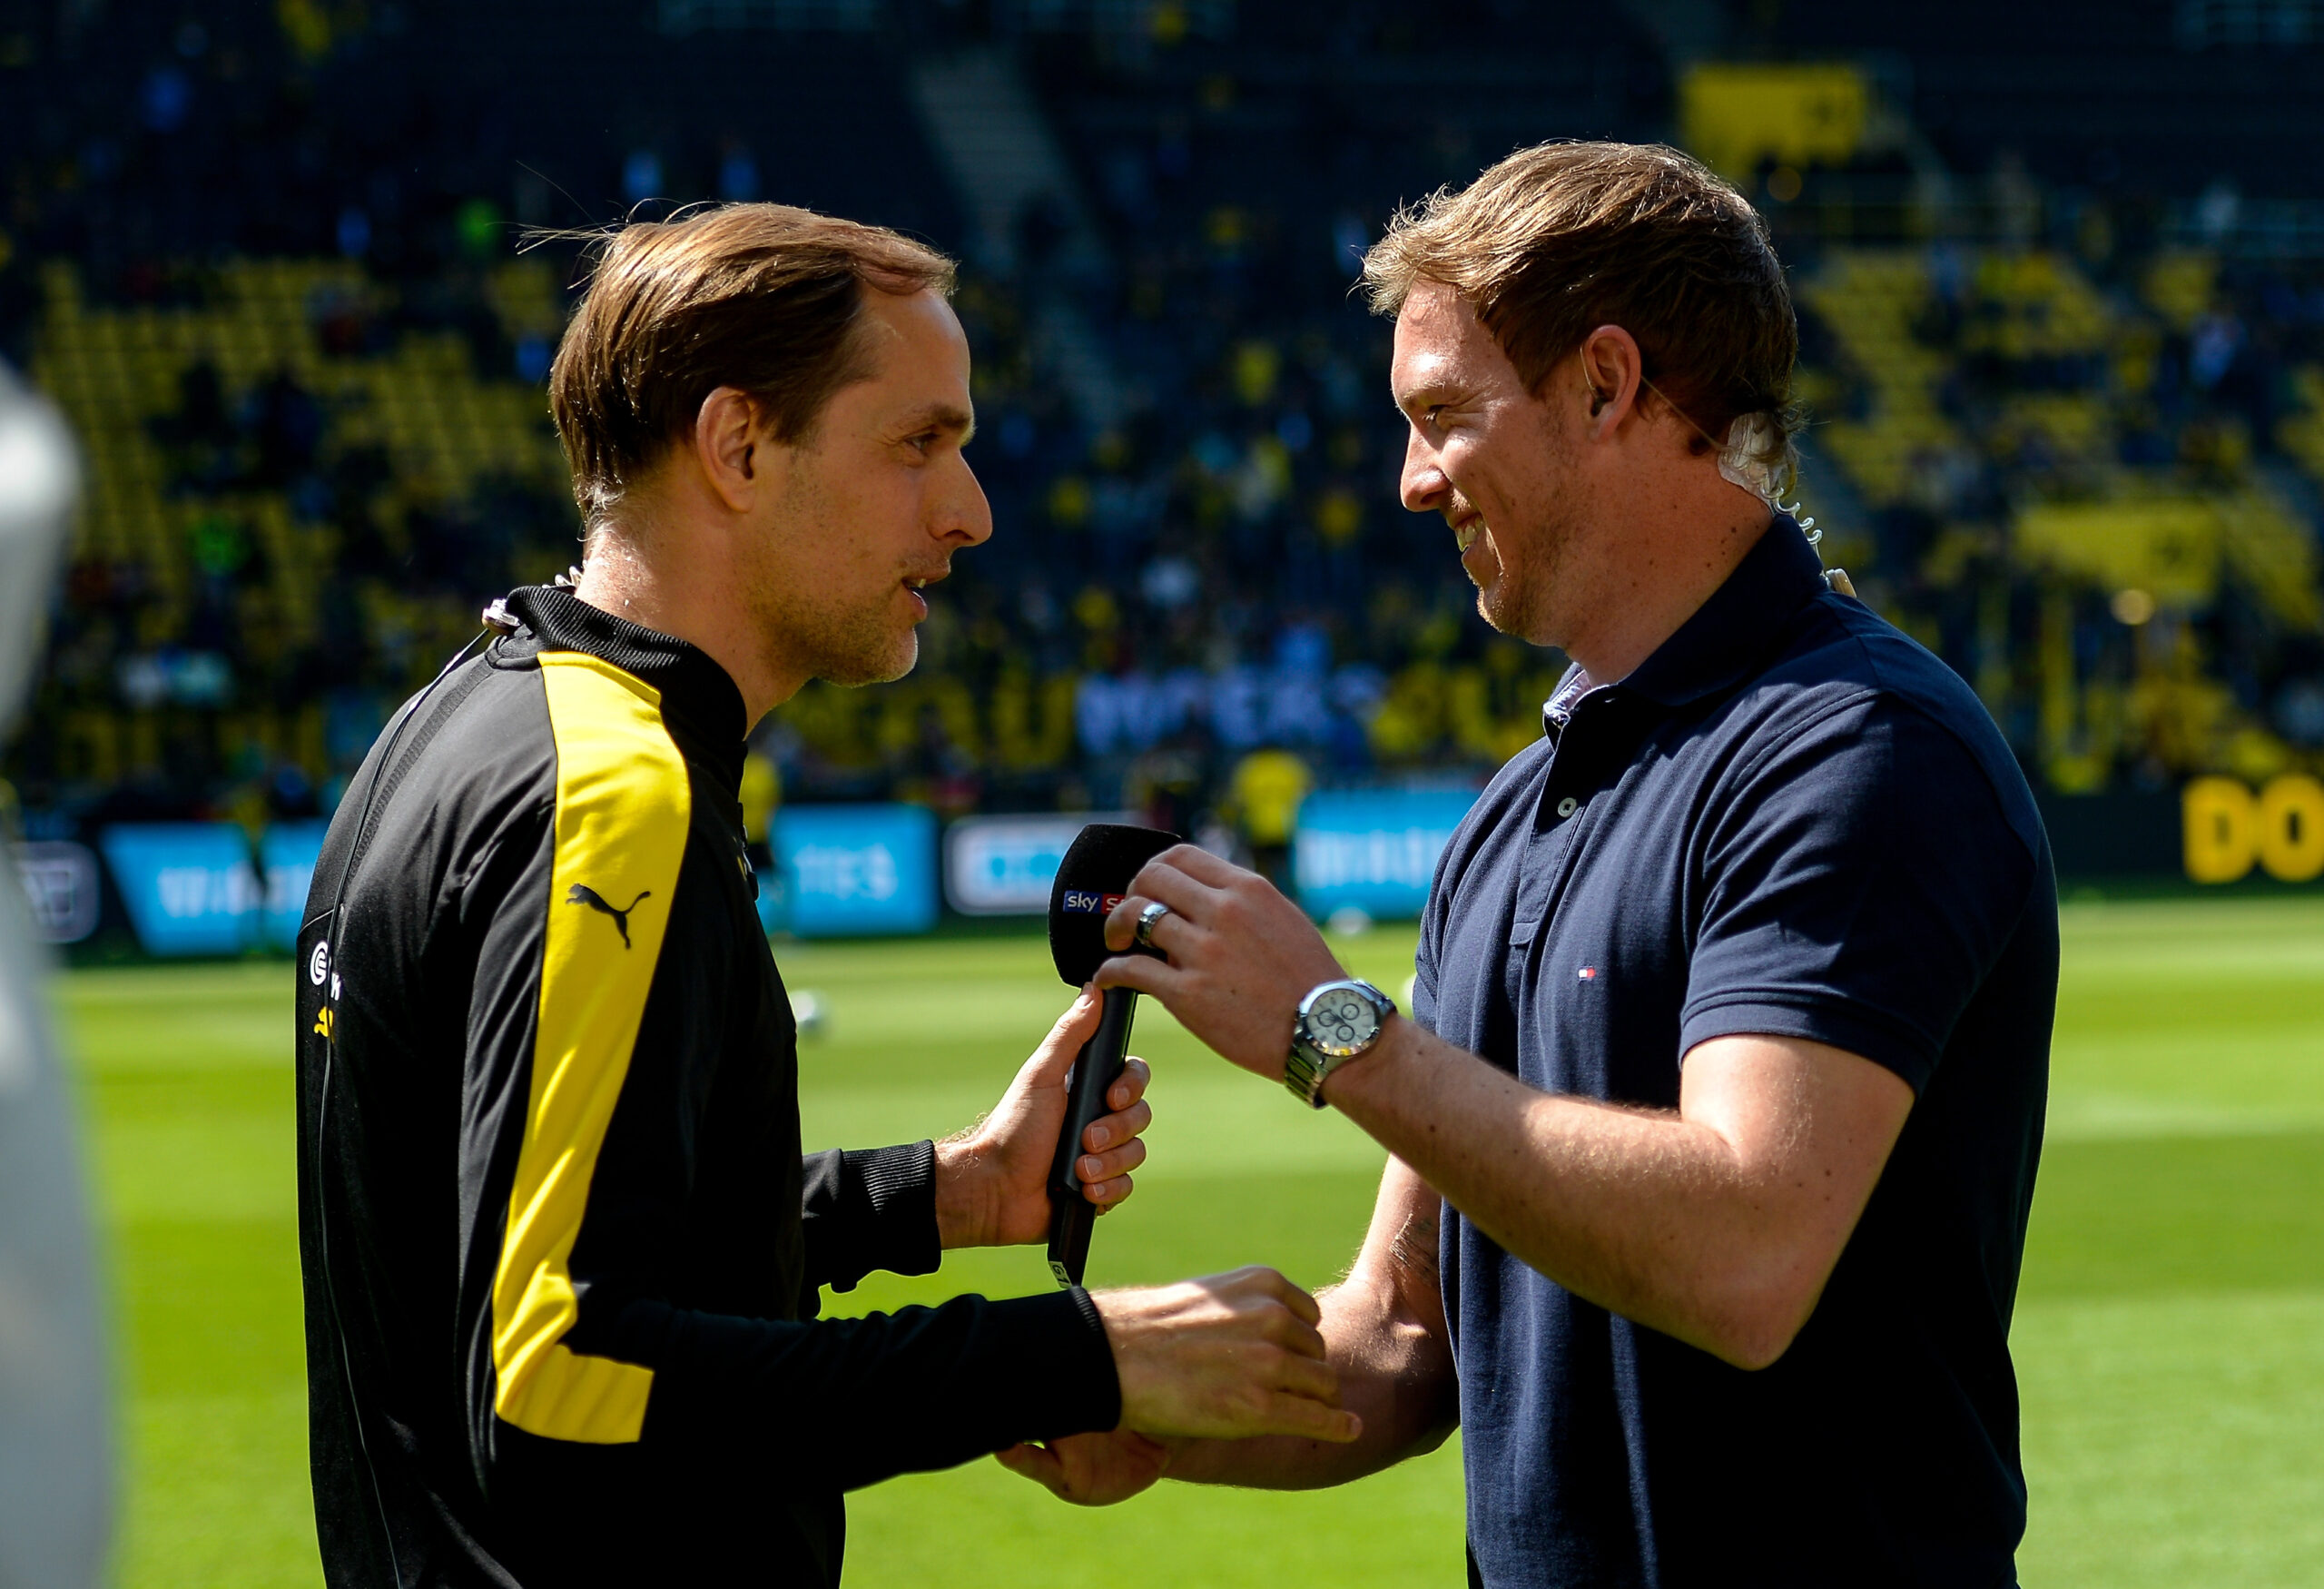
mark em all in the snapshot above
pixel 622 807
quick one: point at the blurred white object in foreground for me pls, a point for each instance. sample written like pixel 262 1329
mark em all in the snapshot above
pixel 55 1457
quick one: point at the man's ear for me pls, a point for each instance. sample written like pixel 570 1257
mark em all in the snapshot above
pixel 1611 370
pixel 731 447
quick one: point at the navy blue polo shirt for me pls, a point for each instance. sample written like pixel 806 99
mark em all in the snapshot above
pixel 1789 820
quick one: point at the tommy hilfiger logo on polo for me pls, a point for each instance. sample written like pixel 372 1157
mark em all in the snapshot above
pixel 581 893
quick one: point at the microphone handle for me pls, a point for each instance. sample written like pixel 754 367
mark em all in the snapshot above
pixel 1096 1068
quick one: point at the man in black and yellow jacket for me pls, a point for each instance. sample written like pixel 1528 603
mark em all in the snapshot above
pixel 562 1249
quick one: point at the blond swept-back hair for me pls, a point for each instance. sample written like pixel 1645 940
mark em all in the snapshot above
pixel 1562 238
pixel 764 298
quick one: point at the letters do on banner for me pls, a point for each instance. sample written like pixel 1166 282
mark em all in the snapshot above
pixel 2230 829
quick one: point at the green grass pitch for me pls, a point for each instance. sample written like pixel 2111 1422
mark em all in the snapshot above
pixel 2170 1334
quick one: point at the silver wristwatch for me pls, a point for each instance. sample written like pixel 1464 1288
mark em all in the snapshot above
pixel 1337 1022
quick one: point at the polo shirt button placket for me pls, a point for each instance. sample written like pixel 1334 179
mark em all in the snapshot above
pixel 1568 807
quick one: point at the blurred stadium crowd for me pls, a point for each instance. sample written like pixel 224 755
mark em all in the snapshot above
pixel 2069 390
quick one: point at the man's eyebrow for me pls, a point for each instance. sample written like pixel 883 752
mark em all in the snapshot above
pixel 1422 392
pixel 942 417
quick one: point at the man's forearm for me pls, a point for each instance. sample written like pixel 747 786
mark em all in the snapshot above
pixel 1717 1224
pixel 1403 1396
pixel 1659 1217
pixel 1385 1328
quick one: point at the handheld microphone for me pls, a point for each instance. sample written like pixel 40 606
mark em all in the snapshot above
pixel 1090 882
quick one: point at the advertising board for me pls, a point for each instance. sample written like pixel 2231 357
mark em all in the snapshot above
pixel 286 863
pixel 188 886
pixel 61 885
pixel 1373 850
pixel 1004 865
pixel 2228 828
pixel 846 871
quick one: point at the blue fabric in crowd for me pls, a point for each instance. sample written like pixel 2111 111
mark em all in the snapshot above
pixel 1789 820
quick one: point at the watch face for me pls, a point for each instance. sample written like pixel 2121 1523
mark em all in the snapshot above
pixel 1342 1021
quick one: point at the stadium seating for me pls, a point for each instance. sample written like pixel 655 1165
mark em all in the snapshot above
pixel 2071 436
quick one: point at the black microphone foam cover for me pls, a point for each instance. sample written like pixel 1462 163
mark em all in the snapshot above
pixel 1090 882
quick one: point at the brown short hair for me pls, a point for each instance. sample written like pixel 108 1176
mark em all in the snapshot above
pixel 1562 238
pixel 765 298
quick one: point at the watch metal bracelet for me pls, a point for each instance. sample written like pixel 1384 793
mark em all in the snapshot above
pixel 1303 1072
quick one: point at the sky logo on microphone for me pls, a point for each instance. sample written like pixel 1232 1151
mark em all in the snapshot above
pixel 1082 902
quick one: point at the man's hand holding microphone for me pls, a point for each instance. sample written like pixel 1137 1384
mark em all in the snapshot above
pixel 1227 1357
pixel 1231 1354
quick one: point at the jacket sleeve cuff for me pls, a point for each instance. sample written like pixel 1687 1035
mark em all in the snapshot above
pixel 900 1189
pixel 872 1210
pixel 1059 1377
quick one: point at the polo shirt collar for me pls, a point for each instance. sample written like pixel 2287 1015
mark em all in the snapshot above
pixel 1731 634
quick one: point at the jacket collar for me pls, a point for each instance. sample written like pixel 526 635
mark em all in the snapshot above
pixel 698 698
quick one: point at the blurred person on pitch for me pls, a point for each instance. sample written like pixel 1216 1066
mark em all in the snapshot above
pixel 1263 794
pixel 561 1247
pixel 1713 1125
pixel 56 1449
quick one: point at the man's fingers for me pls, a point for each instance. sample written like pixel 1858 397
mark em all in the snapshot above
pixel 1108 1194
pixel 1191 901
pixel 1201 865
pixel 1293 1415
pixel 1179 886
pixel 1081 1012
pixel 1306 1376
pixel 1054 1058
pixel 1280 1288
pixel 1170 935
pixel 1131 1085
pixel 1141 971
pixel 1036 1462
pixel 1113 1130
pixel 1094 1167
pixel 1301 1338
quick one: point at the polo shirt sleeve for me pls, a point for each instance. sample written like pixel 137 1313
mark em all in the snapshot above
pixel 1858 882
pixel 1432 928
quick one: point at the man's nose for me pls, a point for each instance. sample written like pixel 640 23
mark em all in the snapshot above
pixel 965 515
pixel 1424 483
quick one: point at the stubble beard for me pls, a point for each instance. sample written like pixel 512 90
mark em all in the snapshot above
pixel 1521 602
pixel 1531 598
pixel 881 658
pixel 847 646
pixel 838 639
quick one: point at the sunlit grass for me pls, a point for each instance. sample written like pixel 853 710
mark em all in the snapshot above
pixel 2170 1338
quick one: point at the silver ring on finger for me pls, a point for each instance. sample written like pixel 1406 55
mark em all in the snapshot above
pixel 1147 918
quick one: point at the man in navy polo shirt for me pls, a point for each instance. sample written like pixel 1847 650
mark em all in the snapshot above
pixel 1713 1125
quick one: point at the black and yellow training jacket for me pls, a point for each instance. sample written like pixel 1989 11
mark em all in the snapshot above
pixel 562 1252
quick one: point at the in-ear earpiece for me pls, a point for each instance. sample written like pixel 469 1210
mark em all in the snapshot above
pixel 1598 401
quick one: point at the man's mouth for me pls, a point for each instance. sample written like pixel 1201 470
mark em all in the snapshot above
pixel 916 585
pixel 1465 533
